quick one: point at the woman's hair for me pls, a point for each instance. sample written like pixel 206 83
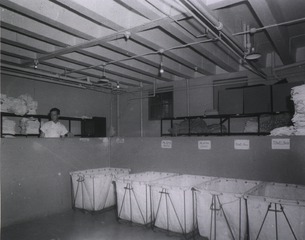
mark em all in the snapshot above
pixel 55 110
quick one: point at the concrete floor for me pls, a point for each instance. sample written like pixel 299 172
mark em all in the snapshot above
pixel 76 225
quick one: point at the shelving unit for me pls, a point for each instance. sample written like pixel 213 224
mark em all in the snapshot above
pixel 224 118
pixel 39 118
pixel 84 129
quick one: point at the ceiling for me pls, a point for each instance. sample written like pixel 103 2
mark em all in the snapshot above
pixel 79 41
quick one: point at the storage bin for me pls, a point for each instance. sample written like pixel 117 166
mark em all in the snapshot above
pixel 173 203
pixel 133 196
pixel 93 189
pixel 277 211
pixel 221 208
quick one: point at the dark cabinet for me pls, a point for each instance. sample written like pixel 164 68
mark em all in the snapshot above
pixel 95 127
pixel 231 101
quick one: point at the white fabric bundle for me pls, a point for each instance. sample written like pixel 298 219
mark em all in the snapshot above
pixel 299 120
pixel 300 132
pixel 298 97
pixel 30 103
pixel 283 131
pixel 8 126
pixel 298 128
pixel 251 126
pixel 22 105
pixel 29 126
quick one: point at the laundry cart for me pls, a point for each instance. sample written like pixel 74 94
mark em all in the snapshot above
pixel 93 189
pixel 277 211
pixel 221 208
pixel 173 207
pixel 133 196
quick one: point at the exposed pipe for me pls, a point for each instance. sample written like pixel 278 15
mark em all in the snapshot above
pixel 199 86
pixel 149 96
pixel 196 9
pixel 141 110
pixel 140 55
pixel 118 113
pixel 254 30
pixel 5 72
pixel 177 22
pixel 54 77
pixel 37 72
pixel 188 96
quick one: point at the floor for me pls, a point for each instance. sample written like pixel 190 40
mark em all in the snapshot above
pixel 76 225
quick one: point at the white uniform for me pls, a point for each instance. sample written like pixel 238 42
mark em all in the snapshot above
pixel 53 130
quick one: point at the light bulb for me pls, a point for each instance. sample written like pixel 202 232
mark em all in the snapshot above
pixel 161 70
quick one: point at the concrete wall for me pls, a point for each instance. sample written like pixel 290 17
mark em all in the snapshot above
pixel 35 174
pixel 71 101
pixel 258 163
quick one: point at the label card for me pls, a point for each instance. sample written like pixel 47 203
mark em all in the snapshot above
pixel 204 145
pixel 166 144
pixel 280 143
pixel 242 144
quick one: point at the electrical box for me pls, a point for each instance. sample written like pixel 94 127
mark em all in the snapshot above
pixel 95 127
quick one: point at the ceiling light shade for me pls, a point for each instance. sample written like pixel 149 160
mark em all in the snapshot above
pixel 36 62
pixel 253 56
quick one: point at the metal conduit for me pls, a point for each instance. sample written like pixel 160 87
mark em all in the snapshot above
pixel 200 12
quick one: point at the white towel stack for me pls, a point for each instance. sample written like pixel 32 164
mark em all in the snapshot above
pixel 22 105
pixel 29 126
pixel 283 131
pixel 298 97
pixel 298 128
pixel 8 126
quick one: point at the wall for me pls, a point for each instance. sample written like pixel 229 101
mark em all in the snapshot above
pixel 71 101
pixel 258 163
pixel 35 174
pixel 200 99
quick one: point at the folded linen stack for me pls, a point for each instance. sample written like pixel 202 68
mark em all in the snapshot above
pixel 29 126
pixel 8 126
pixel 298 97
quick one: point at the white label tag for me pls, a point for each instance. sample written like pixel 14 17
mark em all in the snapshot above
pixel 204 145
pixel 166 144
pixel 280 143
pixel 242 144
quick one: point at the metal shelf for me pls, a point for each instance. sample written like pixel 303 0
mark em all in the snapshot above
pixel 39 118
pixel 222 119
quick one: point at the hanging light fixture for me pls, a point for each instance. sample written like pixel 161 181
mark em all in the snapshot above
pixel 103 79
pixel 250 54
pixel 161 69
pixel 36 62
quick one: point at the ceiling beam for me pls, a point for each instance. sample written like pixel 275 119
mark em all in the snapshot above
pixel 88 14
pixel 225 4
pixel 178 33
pixel 277 35
pixel 139 8
pixel 230 66
pixel 171 70
pixel 123 65
pixel 21 29
pixel 207 70
pixel 8 39
pixel 90 39
pixel 40 18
